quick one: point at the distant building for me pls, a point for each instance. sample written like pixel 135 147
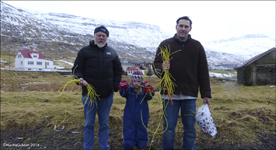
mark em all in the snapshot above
pixel 259 70
pixel 130 70
pixel 126 65
pixel 32 61
pixel 129 63
pixel 135 63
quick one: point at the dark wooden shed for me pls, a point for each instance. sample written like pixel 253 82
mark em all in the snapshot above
pixel 259 70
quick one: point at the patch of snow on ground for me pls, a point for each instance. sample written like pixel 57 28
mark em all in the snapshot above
pixel 67 62
pixel 220 75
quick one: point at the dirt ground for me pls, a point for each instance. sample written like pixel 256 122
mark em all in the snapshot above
pixel 47 138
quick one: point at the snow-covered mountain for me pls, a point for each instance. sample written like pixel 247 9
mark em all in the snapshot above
pixel 143 35
pixel 60 36
pixel 239 49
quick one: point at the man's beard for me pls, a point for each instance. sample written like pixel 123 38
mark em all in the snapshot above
pixel 99 44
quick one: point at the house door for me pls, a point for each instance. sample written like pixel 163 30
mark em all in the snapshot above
pixel 45 64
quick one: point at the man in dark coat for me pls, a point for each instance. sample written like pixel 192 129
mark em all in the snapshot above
pixel 100 66
pixel 189 69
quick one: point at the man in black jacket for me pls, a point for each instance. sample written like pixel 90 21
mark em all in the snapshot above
pixel 189 69
pixel 100 66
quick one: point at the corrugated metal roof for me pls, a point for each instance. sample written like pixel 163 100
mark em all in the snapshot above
pixel 250 61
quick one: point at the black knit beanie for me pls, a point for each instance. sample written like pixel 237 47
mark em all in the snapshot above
pixel 102 29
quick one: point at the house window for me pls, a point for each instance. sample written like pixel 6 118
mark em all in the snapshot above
pixel 34 56
pixel 39 63
pixel 19 55
pixel 29 69
pixel 48 63
pixel 30 62
pixel 40 69
pixel 21 62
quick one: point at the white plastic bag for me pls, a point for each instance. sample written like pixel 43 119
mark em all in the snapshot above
pixel 205 120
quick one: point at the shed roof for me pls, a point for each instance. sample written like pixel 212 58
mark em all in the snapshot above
pixel 26 54
pixel 250 61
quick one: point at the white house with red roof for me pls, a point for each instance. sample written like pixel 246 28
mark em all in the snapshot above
pixel 130 70
pixel 32 61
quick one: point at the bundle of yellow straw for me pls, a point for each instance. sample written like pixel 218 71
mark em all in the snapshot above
pixel 92 95
pixel 166 84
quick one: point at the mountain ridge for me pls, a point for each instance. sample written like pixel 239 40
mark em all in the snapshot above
pixel 61 36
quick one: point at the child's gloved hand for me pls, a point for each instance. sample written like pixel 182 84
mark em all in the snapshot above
pixel 123 84
pixel 148 88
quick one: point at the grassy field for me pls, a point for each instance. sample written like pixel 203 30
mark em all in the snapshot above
pixel 29 99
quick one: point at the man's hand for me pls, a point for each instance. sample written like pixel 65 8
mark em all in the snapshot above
pixel 123 84
pixel 206 100
pixel 148 88
pixel 166 65
pixel 83 82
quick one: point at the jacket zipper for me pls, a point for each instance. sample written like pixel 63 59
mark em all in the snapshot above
pixel 100 67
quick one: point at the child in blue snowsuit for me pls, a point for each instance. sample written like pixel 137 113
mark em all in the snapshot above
pixel 134 130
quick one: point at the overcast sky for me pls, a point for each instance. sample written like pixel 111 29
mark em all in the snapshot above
pixel 212 20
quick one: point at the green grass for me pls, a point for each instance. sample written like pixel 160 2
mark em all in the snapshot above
pixel 239 112
pixel 8 58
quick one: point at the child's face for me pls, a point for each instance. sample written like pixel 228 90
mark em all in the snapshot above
pixel 137 84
